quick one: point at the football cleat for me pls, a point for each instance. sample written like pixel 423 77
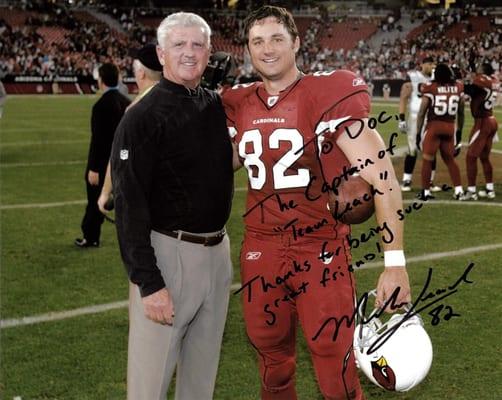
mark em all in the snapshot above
pixel 470 195
pixel 459 196
pixel 395 355
pixel 406 186
pixel 435 188
pixel 83 243
pixel 487 193
pixel 424 197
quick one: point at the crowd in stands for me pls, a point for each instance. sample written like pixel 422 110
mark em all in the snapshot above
pixel 79 41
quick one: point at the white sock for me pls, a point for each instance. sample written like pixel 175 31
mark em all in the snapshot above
pixel 433 174
pixel 489 186
pixel 407 177
pixel 459 189
pixel 471 189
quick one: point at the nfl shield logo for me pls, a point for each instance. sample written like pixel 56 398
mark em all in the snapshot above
pixel 124 154
pixel 272 100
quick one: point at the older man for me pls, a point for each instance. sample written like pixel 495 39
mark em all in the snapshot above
pixel 173 182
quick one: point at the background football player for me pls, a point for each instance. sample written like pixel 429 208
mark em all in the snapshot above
pixel 483 93
pixel 291 245
pixel 441 101
pixel 409 100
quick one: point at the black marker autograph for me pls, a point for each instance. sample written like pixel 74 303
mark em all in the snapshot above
pixel 435 296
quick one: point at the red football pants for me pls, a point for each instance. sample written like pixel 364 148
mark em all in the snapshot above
pixel 480 146
pixel 285 281
pixel 439 135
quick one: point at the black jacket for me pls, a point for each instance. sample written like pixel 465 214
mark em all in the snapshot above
pixel 171 170
pixel 106 115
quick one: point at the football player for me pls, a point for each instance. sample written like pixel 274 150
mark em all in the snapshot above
pixel 483 93
pixel 442 99
pixel 409 99
pixel 295 258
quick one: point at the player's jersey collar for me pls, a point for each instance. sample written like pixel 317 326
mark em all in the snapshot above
pixel 270 100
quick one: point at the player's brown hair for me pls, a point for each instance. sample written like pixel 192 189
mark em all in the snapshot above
pixel 282 16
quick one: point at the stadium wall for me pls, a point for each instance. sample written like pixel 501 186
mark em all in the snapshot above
pixel 56 85
pixel 87 85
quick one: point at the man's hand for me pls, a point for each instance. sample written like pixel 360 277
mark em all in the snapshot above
pixel 102 200
pixel 418 139
pixel 93 178
pixel 458 149
pixel 391 279
pixel 159 307
pixel 402 126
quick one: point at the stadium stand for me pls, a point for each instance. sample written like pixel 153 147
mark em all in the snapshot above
pixel 64 44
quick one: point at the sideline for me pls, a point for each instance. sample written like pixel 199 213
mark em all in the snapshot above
pixel 243 189
pixel 42 164
pixel 56 316
pixel 42 142
pixel 66 203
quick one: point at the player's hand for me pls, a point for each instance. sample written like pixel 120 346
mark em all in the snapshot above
pixel 457 150
pixel 159 307
pixel 93 178
pixel 402 126
pixel 391 279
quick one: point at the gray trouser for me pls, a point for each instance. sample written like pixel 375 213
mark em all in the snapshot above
pixel 198 279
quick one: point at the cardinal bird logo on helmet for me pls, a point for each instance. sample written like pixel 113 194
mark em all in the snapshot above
pixel 383 374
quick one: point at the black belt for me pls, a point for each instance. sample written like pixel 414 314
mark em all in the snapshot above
pixel 188 237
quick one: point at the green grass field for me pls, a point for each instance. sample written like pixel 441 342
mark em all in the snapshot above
pixel 44 143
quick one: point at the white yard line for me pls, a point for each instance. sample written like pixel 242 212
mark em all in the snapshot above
pixel 41 164
pixel 56 316
pixel 439 255
pixel 40 142
pixel 42 205
pixel 242 189
pixel 32 127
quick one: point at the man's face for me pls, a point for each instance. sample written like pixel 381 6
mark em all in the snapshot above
pixel 428 67
pixel 272 49
pixel 184 55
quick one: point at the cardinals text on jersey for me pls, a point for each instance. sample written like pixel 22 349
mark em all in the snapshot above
pixel 278 141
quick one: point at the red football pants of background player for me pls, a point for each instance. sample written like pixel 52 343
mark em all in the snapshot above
pixel 480 145
pixel 285 281
pixel 439 135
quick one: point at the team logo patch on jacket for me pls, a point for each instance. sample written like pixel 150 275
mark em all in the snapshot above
pixel 124 154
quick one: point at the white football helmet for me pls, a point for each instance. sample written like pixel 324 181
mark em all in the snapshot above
pixel 395 355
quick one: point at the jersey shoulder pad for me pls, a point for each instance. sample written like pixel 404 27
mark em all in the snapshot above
pixel 236 97
pixel 414 76
pixel 330 87
pixel 482 81
pixel 239 92
pixel 427 87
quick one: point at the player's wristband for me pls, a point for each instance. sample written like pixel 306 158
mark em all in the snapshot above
pixel 401 117
pixel 394 258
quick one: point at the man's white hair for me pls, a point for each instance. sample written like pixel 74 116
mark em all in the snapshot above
pixel 184 20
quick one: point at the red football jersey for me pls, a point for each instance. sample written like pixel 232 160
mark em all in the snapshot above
pixel 483 92
pixel 279 139
pixel 444 99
